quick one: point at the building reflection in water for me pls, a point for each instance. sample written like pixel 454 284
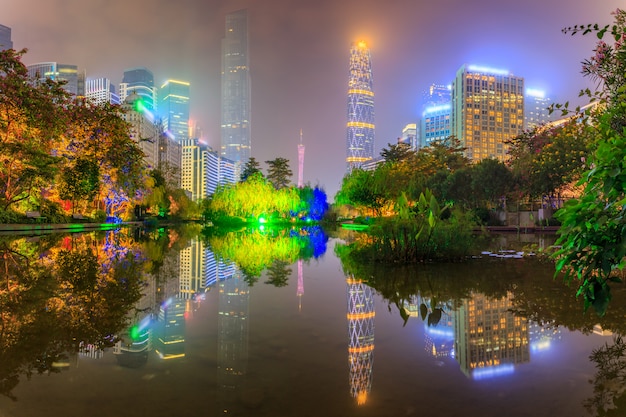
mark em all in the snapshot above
pixel 439 336
pixel 170 334
pixel 360 315
pixel 490 339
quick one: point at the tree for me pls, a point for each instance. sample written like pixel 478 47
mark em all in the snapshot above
pixel 32 120
pixel 592 235
pixel 397 152
pixel 250 168
pixel 491 180
pixel 80 181
pixel 279 173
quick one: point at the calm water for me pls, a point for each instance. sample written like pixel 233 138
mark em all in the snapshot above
pixel 490 337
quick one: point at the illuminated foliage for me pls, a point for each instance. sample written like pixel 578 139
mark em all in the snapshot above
pixel 592 234
pixel 251 168
pixel 279 173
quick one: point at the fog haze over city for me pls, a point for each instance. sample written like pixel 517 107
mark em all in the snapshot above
pixel 299 53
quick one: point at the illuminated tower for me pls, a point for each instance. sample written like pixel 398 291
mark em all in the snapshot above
pixel 300 289
pixel 487 110
pixel 361 315
pixel 536 108
pixel 300 162
pixel 360 126
pixel 236 143
pixel 141 81
pixel 174 108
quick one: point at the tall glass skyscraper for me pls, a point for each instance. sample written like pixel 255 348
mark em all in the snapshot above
pixel 174 108
pixel 360 126
pixel 5 38
pixel 141 81
pixel 236 142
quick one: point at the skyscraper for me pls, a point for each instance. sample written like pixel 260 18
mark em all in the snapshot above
pixel 141 81
pixel 536 108
pixel 5 38
pixel 360 126
pixel 75 80
pixel 174 108
pixel 100 90
pixel 236 140
pixel 487 109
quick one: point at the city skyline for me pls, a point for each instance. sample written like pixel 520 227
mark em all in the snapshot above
pixel 299 53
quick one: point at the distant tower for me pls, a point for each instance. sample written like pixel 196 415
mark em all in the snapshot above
pixel 101 90
pixel 141 81
pixel 174 108
pixel 300 162
pixel 75 80
pixel 5 38
pixel 360 126
pixel 300 289
pixel 361 315
pixel 536 108
pixel 236 142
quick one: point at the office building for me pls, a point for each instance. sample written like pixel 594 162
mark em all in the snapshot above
pixel 219 171
pixel 75 80
pixel 100 91
pixel 174 108
pixel 142 129
pixel 410 136
pixel 141 81
pixel 435 123
pixel 536 108
pixel 360 126
pixel 236 142
pixel 487 110
pixel 5 38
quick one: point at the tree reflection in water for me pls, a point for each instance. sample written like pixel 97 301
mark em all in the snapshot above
pixel 60 294
pixel 609 382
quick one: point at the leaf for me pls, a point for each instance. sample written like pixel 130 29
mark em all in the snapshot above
pixel 423 311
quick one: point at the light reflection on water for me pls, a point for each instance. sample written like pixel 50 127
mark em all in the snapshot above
pixel 449 339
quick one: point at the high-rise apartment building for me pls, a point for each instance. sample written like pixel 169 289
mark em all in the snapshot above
pixel 141 81
pixel 536 108
pixel 487 110
pixel 360 126
pixel 193 168
pixel 75 80
pixel 409 135
pixel 101 90
pixel 174 108
pixel 235 124
pixel 5 38
pixel 142 129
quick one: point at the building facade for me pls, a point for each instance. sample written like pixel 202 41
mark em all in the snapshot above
pixel 487 110
pixel 141 81
pixel 142 129
pixel 435 123
pixel 360 126
pixel 5 38
pixel 174 108
pixel 536 109
pixel 100 91
pixel 75 79
pixel 236 142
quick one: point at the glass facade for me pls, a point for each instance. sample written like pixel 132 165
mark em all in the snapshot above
pixel 75 81
pixel 360 126
pixel 141 81
pixel 5 38
pixel 174 108
pixel 235 122
pixel 487 110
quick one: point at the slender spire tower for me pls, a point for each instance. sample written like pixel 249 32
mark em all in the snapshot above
pixel 360 126
pixel 300 162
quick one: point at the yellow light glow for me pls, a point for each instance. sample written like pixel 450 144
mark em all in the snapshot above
pixel 361 398
pixel 357 159
pixel 362 44
pixel 361 124
pixel 361 349
pixel 358 316
pixel 362 92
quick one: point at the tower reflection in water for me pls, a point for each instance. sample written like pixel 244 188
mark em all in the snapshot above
pixel 360 316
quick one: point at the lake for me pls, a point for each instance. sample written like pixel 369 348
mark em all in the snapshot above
pixel 152 323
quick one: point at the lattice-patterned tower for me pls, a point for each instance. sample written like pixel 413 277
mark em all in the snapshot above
pixel 360 126
pixel 361 329
pixel 300 162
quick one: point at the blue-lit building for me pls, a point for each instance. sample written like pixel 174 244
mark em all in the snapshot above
pixel 5 38
pixel 219 171
pixel 139 80
pixel 236 141
pixel 100 91
pixel 435 124
pixel 360 125
pixel 536 108
pixel 174 108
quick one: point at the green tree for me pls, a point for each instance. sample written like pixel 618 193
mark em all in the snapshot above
pixel 80 181
pixel 250 168
pixel 491 180
pixel 592 235
pixel 397 152
pixel 278 172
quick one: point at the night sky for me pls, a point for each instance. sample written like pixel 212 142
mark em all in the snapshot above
pixel 299 53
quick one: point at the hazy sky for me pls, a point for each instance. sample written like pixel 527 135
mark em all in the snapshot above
pixel 299 52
